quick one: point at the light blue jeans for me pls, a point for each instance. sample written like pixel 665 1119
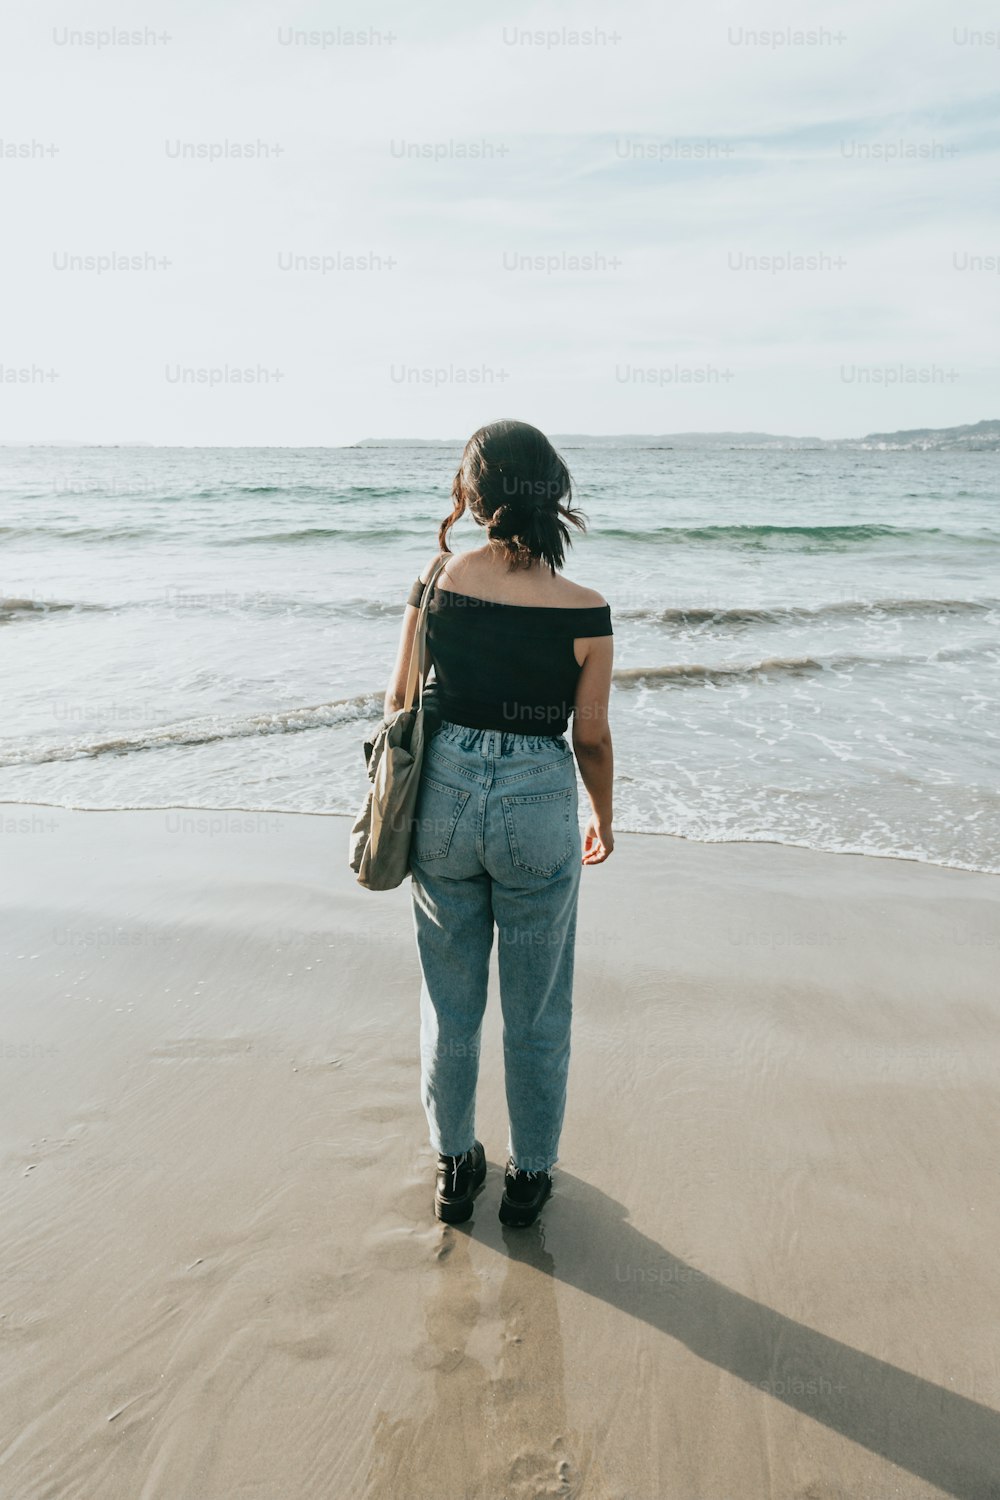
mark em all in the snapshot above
pixel 496 842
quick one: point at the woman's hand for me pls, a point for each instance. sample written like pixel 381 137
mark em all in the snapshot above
pixel 598 842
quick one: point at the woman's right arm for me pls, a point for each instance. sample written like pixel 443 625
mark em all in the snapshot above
pixel 592 745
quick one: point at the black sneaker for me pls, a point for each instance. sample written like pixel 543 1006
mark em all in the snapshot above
pixel 524 1193
pixel 459 1179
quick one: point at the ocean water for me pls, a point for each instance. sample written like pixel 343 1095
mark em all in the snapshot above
pixel 807 641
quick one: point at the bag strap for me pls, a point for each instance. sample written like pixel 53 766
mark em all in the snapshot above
pixel 415 675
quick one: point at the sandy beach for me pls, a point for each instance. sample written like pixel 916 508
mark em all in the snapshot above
pixel 768 1270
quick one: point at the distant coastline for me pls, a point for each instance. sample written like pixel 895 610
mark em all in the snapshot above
pixel 972 437
pixel 976 435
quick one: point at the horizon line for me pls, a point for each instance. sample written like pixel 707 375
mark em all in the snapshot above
pixel 367 442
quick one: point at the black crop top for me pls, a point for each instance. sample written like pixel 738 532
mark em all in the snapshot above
pixel 506 666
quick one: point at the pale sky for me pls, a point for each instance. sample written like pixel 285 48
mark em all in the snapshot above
pixel 678 148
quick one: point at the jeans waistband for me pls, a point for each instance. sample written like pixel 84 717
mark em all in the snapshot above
pixel 499 742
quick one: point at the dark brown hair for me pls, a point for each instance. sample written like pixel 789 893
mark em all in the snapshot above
pixel 513 482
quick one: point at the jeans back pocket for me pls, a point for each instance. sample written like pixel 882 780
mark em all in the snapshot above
pixel 439 808
pixel 540 829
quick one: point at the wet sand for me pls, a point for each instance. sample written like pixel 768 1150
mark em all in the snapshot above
pixel 769 1267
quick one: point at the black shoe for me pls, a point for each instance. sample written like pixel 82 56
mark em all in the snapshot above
pixel 524 1193
pixel 459 1179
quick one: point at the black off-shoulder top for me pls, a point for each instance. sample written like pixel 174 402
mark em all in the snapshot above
pixel 506 666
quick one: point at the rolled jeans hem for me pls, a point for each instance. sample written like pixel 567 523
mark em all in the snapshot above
pixel 537 1163
pixel 435 1146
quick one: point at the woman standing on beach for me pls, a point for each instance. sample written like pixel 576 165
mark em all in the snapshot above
pixel 517 651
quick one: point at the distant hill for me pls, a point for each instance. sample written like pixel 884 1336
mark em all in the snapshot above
pixel 977 435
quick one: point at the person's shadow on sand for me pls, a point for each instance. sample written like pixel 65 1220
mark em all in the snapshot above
pixel 944 1438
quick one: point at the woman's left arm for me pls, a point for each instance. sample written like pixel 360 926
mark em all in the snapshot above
pixel 395 693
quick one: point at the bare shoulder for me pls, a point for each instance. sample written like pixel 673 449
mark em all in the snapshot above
pixel 578 597
pixel 425 571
